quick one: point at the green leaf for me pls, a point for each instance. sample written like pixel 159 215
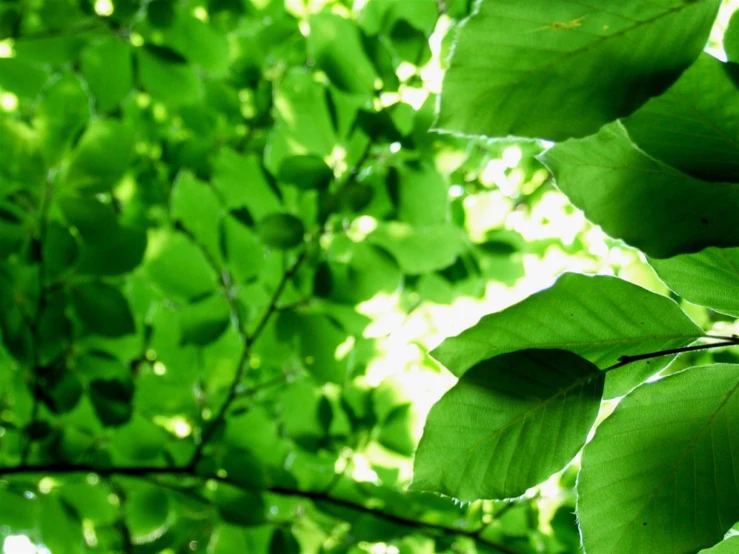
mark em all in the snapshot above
pixel 195 204
pixel 120 252
pixel 89 501
pixel 180 269
pixel 381 16
pixel 102 309
pixel 662 470
pixel 300 417
pixel 336 45
pixel 728 546
pixel 731 38
pixel 303 117
pixel 111 399
pixel 320 341
pixel 423 196
pixel 107 66
pixel 241 182
pixel 239 506
pixel 62 113
pixel 369 271
pixel 245 469
pixel 398 430
pixel 641 200
pixel 204 321
pixel 694 126
pixel 12 234
pixel 420 249
pixel 147 514
pixel 60 527
pixel 709 278
pixel 537 69
pixel 21 160
pixel 242 249
pixel 94 220
pixel 138 441
pixel 199 43
pixel 59 249
pixel 60 389
pixel 21 78
pixel 161 13
pixel 508 424
pixel 101 156
pixel 306 172
pixel 282 231
pixel 164 75
pixel 600 318
pixel 284 542
pixel 54 328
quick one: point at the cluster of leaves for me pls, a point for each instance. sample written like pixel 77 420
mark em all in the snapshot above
pixel 646 126
pixel 195 199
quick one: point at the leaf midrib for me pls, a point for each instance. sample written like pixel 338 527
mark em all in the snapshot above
pixel 586 49
pixel 498 431
pixel 689 450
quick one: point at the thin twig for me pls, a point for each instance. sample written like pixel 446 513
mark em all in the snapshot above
pixel 625 360
pixel 242 364
pixel 43 214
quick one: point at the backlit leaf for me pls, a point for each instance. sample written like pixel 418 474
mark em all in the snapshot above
pixel 535 69
pixel 600 318
pixel 709 278
pixel 335 44
pixel 108 70
pixel 508 424
pixel 661 470
pixel 694 126
pixel 641 200
pixel 101 156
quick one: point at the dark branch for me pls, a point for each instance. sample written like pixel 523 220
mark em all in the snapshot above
pixel 625 360
pixel 243 363
pixel 314 496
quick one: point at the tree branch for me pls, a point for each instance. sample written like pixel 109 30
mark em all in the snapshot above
pixel 145 472
pixel 249 339
pixel 243 362
pixel 625 360
pixel 35 324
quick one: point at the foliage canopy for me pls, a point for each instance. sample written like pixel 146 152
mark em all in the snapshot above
pixel 231 232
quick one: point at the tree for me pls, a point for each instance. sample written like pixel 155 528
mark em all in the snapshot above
pixel 218 222
pixel 230 232
pixel 645 129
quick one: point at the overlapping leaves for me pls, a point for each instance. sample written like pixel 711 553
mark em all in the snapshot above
pixel 535 69
pixel 508 424
pixel 600 318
